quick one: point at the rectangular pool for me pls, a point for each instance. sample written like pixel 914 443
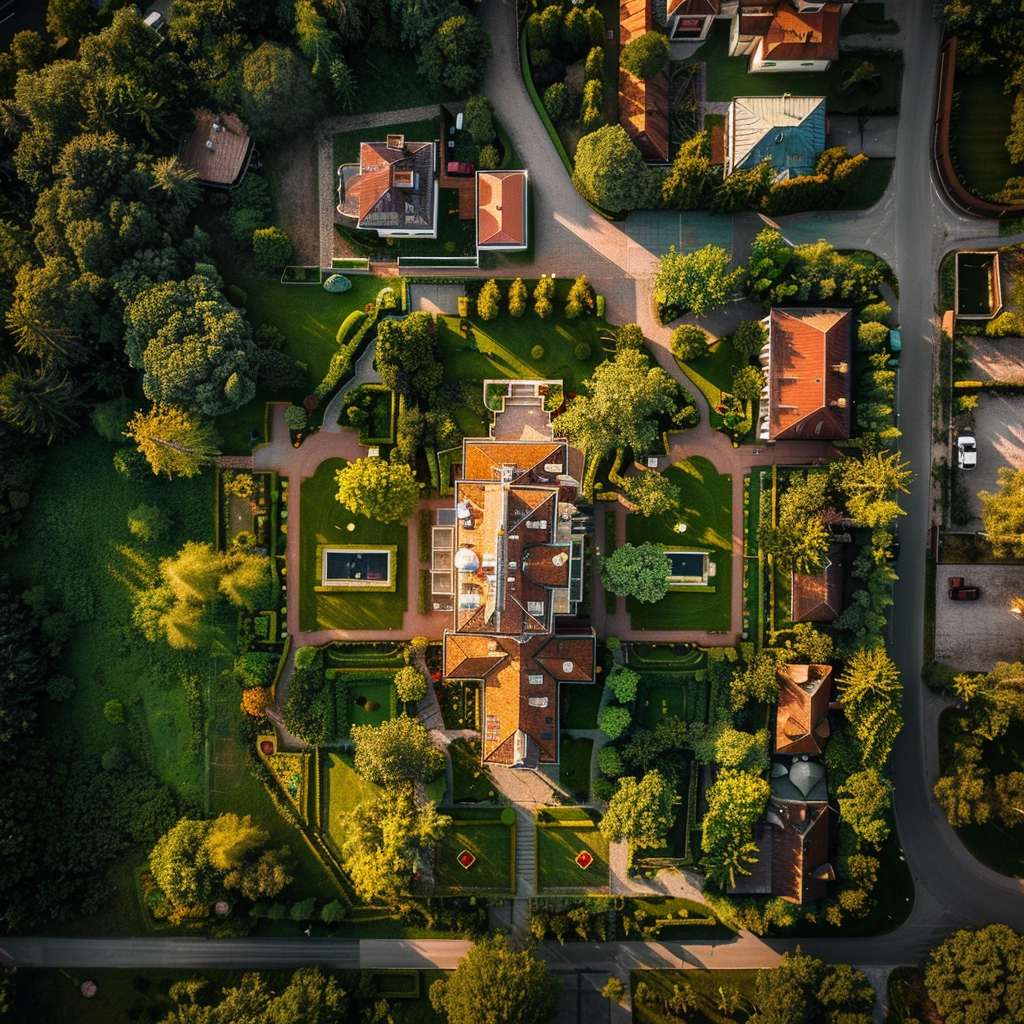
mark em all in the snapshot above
pixel 688 567
pixel 344 566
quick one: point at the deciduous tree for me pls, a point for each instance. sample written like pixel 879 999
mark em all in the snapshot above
pixel 639 571
pixel 646 55
pixel 410 683
pixel 640 812
pixel 384 491
pixel 611 173
pixel 175 442
pixel 864 802
pixel 456 54
pixel 279 95
pixel 736 800
pixel 699 281
pixel 397 751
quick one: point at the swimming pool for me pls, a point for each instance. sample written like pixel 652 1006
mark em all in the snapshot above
pixel 355 566
pixel 689 568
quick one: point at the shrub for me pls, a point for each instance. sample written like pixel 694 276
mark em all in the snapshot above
pixel 303 910
pixel 296 417
pixel 487 301
pixel 272 247
pixel 256 668
pixel 488 159
pixel 609 762
pixel 623 682
pixel 646 56
pixel 876 312
pixel 333 912
pixel 537 352
pixel 582 351
pixel 629 336
pixel 305 657
pixel 593 68
pixel 871 336
pixel 113 712
pixel 338 283
pixel 593 95
pixel 749 337
pixel 591 119
pixel 689 342
pixel 410 683
pixel 148 522
pixel 256 700
pixel 614 721
pixel 579 299
pixel 517 295
pixel 602 789
pixel 557 103
pixel 1008 324
pixel 478 119
pixel 238 297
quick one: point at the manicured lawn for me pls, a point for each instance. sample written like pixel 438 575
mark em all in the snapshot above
pixel 364 691
pixel 582 703
pixel 978 130
pixel 470 780
pixel 562 833
pixel 706 985
pixel 382 87
pixel 716 369
pixel 669 656
pixel 503 347
pixel 727 77
pixel 707 513
pixel 343 789
pixel 574 767
pixel 324 521
pixel 665 694
pixel 479 830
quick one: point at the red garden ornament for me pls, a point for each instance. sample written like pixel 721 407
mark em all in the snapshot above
pixel 584 859
pixel 466 859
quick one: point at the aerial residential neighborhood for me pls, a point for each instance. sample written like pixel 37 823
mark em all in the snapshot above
pixel 512 511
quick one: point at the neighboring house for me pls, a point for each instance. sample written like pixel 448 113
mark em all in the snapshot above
pixel 819 597
pixel 807 366
pixel 790 131
pixel 690 20
pixel 501 210
pixel 786 36
pixel 801 724
pixel 395 191
pixel 517 566
pixel 643 105
pixel 219 150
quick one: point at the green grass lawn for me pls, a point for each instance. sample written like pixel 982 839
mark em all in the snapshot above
pixel 343 789
pixel 716 369
pixel 581 704
pixel 664 694
pixel 707 512
pixel 559 841
pixel 727 77
pixel 706 986
pixel 470 780
pixel 373 692
pixel 321 514
pixel 978 128
pixel 479 830
pixel 574 767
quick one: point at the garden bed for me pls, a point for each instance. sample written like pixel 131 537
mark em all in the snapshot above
pixel 484 834
pixel 562 833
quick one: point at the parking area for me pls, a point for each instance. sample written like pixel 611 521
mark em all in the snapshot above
pixel 999 431
pixel 974 635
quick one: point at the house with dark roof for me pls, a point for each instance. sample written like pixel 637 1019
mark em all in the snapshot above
pixel 801 721
pixel 517 569
pixel 788 131
pixel 219 150
pixel 395 190
pixel 786 35
pixel 806 396
pixel 501 213
pixel 818 597
pixel 643 105
pixel 690 20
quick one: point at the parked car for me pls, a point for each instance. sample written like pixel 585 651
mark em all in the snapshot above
pixel 895 347
pixel 962 593
pixel 966 452
pixel 461 168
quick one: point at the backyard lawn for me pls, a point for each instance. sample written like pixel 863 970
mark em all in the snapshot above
pixel 727 77
pixel 677 694
pixel 343 789
pixel 574 767
pixel 581 703
pixel 324 521
pixel 707 513
pixel 712 374
pixel 978 128
pixel 470 781
pixel 367 690
pixel 481 831
pixel 563 833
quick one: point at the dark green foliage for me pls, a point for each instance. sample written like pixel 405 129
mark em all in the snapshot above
pixel 279 95
pixel 310 708
pixel 749 338
pixel 611 173
pixel 478 119
pixel 406 356
pixel 255 668
pixel 272 247
pixel 457 54
pixel 646 56
pixel 250 208
pixel 557 103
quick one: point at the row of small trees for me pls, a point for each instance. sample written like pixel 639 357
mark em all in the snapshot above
pixel 580 299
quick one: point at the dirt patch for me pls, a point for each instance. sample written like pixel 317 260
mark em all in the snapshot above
pixel 974 635
pixel 997 358
pixel 293 169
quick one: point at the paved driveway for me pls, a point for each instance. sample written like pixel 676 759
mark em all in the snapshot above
pixel 876 140
pixel 999 431
pixel 974 635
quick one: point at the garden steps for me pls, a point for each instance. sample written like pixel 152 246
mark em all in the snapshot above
pixel 525 854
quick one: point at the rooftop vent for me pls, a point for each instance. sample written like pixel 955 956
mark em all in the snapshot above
pixel 838 403
pixel 396 142
pixel 567 667
pixel 403 179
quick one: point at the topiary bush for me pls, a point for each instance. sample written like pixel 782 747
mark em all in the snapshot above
pixel 337 283
pixel 296 417
pixel 689 342
pixel 537 352
pixel 582 351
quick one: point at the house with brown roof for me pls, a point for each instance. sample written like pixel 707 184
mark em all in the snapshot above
pixel 395 190
pixel 517 568
pixel 818 597
pixel 801 720
pixel 219 150
pixel 643 105
pixel 806 396
pixel 786 35
pixel 501 198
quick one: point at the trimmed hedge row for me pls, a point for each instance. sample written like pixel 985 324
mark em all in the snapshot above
pixel 341 361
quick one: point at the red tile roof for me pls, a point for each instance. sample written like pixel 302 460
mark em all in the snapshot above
pixel 223 161
pixel 809 374
pixel 801 725
pixel 799 850
pixel 382 203
pixel 501 208
pixel 819 598
pixel 693 8
pixel 813 35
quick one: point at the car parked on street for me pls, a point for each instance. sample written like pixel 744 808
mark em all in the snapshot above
pixel 966 452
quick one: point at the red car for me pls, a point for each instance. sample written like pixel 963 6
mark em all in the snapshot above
pixel 460 168
pixel 964 593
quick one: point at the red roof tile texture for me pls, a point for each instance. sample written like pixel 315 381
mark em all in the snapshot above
pixel 819 597
pixel 798 849
pixel 813 35
pixel 501 208
pixel 801 722
pixel 643 106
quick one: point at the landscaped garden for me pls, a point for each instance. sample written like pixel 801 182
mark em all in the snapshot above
pixel 487 835
pixel 325 521
pixel 343 789
pixel 572 855
pixel 706 511
pixel 979 125
pixel 574 767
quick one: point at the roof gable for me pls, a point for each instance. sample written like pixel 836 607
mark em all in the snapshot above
pixel 394 187
pixel 787 130
pixel 818 597
pixel 801 724
pixel 501 208
pixel 812 35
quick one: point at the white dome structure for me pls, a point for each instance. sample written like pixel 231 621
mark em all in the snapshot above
pixel 467 560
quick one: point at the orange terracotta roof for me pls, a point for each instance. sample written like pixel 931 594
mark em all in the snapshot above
pixel 813 35
pixel 718 144
pixel 482 459
pixel 225 162
pixel 819 598
pixel 799 849
pixel 643 106
pixel 693 8
pixel 569 658
pixel 809 374
pixel 801 725
pixel 501 208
